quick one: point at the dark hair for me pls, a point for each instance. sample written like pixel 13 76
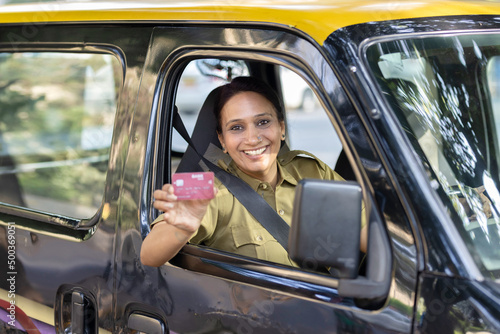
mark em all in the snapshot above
pixel 246 84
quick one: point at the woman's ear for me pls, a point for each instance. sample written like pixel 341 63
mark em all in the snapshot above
pixel 221 140
pixel 282 125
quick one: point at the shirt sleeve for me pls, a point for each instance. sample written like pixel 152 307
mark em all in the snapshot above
pixel 330 174
pixel 156 221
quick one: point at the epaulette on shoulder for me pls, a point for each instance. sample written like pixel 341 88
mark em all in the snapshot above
pixel 289 156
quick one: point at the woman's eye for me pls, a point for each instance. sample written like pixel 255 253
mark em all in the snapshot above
pixel 263 122
pixel 235 128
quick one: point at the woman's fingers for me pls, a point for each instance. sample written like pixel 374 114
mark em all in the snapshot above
pixel 165 194
pixel 163 205
pixel 164 199
pixel 186 214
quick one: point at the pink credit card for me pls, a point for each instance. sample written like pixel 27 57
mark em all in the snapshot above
pixel 193 185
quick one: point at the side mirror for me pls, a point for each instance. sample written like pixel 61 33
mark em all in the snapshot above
pixel 326 226
pixel 325 233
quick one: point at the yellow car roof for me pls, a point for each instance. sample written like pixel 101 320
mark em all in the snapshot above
pixel 317 18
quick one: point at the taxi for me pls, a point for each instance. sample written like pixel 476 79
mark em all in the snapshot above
pixel 405 107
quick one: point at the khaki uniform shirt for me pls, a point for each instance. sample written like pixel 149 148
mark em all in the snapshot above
pixel 228 225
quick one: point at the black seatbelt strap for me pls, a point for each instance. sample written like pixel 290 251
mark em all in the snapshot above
pixel 250 199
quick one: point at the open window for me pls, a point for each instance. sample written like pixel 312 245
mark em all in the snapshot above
pixel 310 129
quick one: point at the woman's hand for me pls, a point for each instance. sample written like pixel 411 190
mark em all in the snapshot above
pixel 181 221
pixel 185 215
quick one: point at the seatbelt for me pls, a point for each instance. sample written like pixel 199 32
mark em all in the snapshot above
pixel 250 199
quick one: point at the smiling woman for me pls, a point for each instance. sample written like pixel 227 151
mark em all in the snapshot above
pixel 251 131
pixel 251 138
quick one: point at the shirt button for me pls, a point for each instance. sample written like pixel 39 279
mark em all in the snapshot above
pixel 259 238
pixel 281 212
pixel 264 186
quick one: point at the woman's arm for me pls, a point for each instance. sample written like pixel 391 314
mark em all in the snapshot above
pixel 181 220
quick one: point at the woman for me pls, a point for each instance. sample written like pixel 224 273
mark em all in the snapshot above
pixel 250 127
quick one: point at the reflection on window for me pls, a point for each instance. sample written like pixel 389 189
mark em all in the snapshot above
pixel 438 88
pixel 56 121
pixel 493 80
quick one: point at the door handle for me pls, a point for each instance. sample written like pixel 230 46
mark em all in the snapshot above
pixel 75 310
pixel 146 324
pixel 77 313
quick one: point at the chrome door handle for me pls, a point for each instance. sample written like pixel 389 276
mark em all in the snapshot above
pixel 146 324
pixel 75 310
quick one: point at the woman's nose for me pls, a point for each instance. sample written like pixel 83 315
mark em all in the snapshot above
pixel 253 136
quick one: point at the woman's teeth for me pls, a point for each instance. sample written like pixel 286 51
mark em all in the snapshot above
pixel 255 152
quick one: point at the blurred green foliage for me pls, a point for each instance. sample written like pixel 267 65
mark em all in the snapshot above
pixel 56 119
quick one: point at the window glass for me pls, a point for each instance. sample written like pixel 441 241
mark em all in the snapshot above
pixel 493 80
pixel 56 120
pixel 444 91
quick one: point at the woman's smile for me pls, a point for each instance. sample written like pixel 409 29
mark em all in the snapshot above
pixel 255 152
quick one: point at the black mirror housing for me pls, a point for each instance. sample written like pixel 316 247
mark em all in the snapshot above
pixel 326 226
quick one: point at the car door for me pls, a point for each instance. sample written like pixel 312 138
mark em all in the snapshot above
pixel 206 290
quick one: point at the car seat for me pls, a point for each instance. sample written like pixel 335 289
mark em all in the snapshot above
pixel 204 138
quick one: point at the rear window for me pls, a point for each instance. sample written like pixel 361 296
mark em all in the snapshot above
pixel 56 121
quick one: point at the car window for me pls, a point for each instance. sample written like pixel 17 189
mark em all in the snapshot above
pixel 194 87
pixel 308 128
pixel 56 122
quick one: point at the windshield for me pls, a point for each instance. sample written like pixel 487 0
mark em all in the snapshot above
pixel 445 90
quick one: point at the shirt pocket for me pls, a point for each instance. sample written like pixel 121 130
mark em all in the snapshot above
pixel 243 235
pixel 253 241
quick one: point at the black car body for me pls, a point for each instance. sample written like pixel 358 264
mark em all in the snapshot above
pixel 401 97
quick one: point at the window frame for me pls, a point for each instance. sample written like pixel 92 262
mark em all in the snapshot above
pixel 282 46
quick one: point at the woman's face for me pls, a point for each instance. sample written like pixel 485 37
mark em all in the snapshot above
pixel 251 134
